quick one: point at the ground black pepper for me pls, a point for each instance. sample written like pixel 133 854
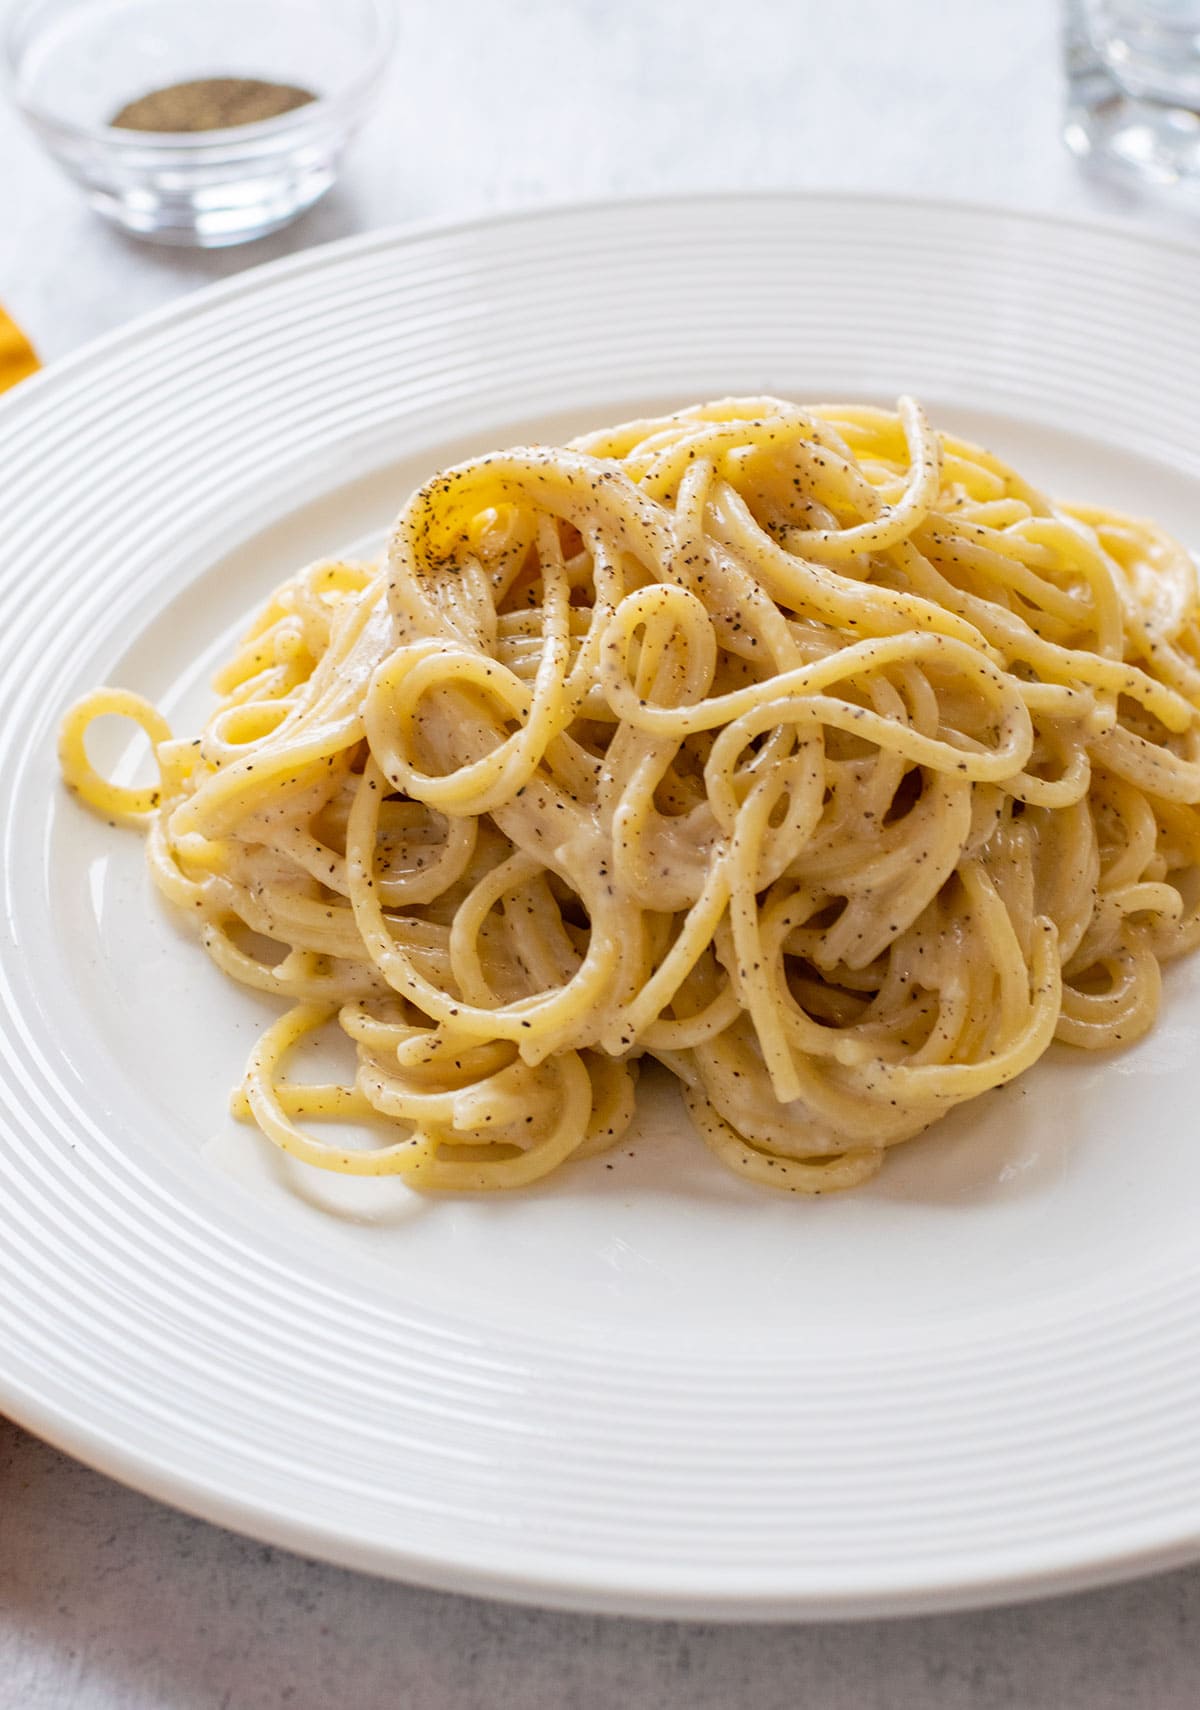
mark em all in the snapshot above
pixel 210 104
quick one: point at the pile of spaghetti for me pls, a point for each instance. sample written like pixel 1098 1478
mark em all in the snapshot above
pixel 808 751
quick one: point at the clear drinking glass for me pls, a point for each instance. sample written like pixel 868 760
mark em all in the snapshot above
pixel 1133 86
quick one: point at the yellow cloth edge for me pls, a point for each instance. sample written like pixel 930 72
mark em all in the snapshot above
pixel 18 358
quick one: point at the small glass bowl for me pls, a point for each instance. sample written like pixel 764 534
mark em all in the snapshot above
pixel 74 64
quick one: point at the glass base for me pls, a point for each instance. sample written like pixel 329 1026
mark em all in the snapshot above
pixel 213 218
pixel 1159 144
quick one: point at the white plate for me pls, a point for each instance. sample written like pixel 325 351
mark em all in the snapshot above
pixel 643 1386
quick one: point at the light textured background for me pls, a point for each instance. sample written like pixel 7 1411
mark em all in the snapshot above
pixel 111 1602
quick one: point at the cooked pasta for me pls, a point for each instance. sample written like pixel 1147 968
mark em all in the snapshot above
pixel 809 751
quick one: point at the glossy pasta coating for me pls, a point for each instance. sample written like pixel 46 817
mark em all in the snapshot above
pixel 809 751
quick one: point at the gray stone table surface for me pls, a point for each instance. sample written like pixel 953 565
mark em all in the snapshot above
pixel 109 1601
